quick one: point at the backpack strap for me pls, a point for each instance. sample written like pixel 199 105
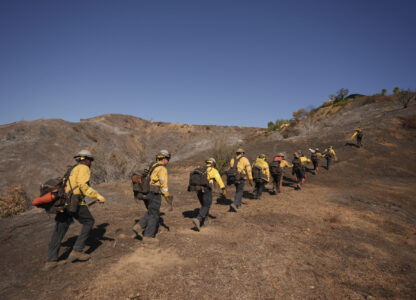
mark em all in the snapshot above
pixel 66 179
pixel 236 161
pixel 153 167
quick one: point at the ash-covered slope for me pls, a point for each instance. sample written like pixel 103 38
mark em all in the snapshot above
pixel 31 152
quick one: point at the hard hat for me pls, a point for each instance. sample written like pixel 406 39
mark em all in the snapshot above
pixel 163 154
pixel 211 160
pixel 262 156
pixel 281 154
pixel 84 154
pixel 296 154
pixel 240 150
pixel 316 149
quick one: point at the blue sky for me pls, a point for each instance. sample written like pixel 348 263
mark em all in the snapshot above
pixel 199 62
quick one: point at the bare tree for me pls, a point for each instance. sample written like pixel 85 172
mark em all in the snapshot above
pixel 405 97
pixel 341 94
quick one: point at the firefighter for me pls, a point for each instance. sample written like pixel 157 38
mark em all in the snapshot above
pixel 205 194
pixel 329 154
pixel 149 223
pixel 261 175
pixel 276 170
pixel 359 134
pixel 244 169
pixel 78 187
pixel 315 155
pixel 299 161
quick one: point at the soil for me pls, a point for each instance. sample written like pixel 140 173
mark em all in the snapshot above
pixel 348 234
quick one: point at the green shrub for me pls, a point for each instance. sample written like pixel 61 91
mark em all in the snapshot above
pixel 271 126
pixel 222 154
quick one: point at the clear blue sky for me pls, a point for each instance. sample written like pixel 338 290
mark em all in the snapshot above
pixel 200 62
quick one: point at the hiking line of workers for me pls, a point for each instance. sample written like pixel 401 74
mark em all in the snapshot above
pixel 152 185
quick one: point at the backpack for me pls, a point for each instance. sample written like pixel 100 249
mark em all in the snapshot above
pixel 258 174
pixel 233 176
pixel 275 167
pixel 53 197
pixel 141 181
pixel 297 164
pixel 314 156
pixel 198 179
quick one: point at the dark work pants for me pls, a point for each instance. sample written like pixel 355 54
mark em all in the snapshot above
pixel 63 220
pixel 328 163
pixel 300 175
pixel 150 220
pixel 359 139
pixel 315 165
pixel 205 198
pixel 277 181
pixel 259 188
pixel 239 190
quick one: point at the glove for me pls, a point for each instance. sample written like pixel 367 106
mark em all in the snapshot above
pixel 100 198
pixel 169 200
pixel 224 193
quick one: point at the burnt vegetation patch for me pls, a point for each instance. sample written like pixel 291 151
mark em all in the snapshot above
pixel 410 122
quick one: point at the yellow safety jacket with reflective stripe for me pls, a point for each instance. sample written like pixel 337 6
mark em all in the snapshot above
pixel 78 180
pixel 213 174
pixel 159 177
pixel 261 162
pixel 243 166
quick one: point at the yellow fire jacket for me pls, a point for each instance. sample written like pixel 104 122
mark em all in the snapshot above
pixel 304 160
pixel 285 164
pixel 159 177
pixel 243 166
pixel 261 162
pixel 78 180
pixel 331 150
pixel 355 133
pixel 212 175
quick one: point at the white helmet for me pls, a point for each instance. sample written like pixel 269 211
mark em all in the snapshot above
pixel 84 154
pixel 163 154
pixel 211 160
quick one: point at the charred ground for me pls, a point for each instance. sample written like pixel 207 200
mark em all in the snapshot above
pixel 349 233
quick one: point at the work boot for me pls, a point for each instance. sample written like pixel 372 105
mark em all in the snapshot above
pixel 147 240
pixel 49 265
pixel 137 229
pixel 197 223
pixel 207 221
pixel 298 187
pixel 233 207
pixel 273 192
pixel 78 255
